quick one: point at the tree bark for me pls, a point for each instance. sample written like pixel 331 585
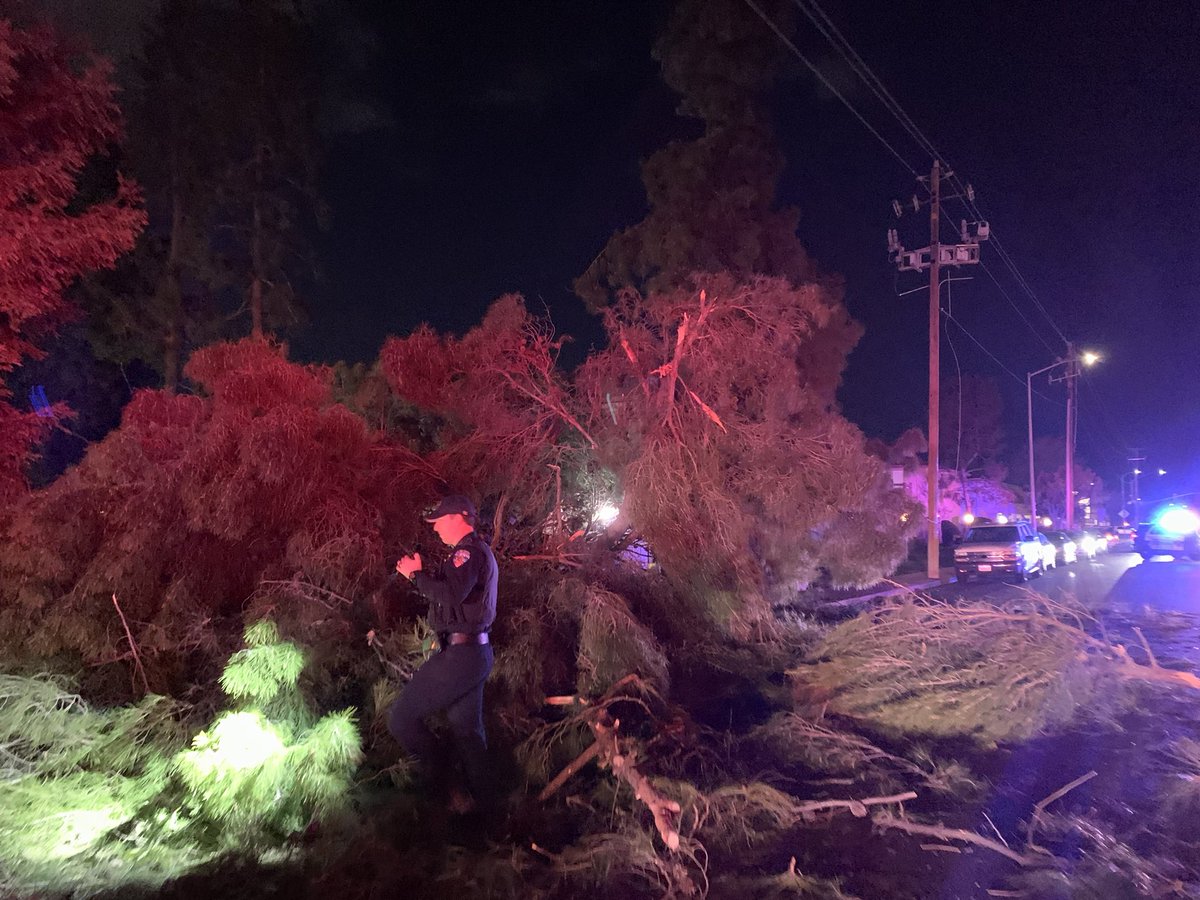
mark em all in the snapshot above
pixel 169 290
pixel 256 260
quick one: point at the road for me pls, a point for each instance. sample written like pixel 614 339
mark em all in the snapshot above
pixel 1161 597
pixel 1120 582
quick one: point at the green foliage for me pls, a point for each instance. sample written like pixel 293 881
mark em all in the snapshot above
pixel 973 669
pixel 258 782
pixel 262 771
pixel 101 799
pixel 79 790
pixel 48 730
pixel 265 669
pixel 613 644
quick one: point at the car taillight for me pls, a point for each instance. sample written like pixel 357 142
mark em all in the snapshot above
pixel 1009 554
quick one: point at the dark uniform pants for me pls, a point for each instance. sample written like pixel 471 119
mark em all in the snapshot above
pixel 452 679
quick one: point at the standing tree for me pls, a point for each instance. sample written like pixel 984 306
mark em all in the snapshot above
pixel 161 300
pixel 57 112
pixel 733 462
pixel 269 194
pixel 223 136
pixel 972 434
pixel 712 199
pixel 716 401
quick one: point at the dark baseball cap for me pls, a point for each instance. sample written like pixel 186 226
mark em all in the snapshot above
pixel 455 503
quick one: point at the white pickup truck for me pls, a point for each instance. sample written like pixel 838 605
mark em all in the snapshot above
pixel 987 551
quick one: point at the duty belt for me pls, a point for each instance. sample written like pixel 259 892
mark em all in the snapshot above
pixel 455 638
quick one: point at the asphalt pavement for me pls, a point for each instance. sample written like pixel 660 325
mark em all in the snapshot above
pixel 1118 581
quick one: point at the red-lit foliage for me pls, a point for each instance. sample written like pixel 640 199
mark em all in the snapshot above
pixel 733 458
pixel 506 411
pixel 195 502
pixel 57 111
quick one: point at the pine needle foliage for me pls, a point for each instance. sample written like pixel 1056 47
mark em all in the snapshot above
pixel 988 672
pixel 94 799
pixel 1181 795
pixel 264 769
pixel 80 788
pixel 715 405
pixel 613 644
pixel 265 670
pixel 195 502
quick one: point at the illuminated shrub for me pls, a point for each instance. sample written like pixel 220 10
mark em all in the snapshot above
pixel 94 799
pixel 265 769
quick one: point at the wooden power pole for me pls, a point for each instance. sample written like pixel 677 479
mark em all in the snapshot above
pixel 1072 378
pixel 933 258
pixel 933 542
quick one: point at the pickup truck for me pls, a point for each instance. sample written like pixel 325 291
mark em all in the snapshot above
pixel 999 551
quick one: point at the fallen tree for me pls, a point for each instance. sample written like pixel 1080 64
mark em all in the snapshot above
pixel 993 672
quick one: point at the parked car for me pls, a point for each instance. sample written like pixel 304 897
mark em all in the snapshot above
pixel 1126 536
pixel 1000 550
pixel 1174 532
pixel 1065 549
pixel 1049 553
pixel 1091 542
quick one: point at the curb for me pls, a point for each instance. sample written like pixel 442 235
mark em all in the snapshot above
pixel 947 577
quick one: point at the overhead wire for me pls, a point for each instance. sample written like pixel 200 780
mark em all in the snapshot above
pixel 993 356
pixel 829 30
pixel 1016 308
pixel 958 373
pixel 825 81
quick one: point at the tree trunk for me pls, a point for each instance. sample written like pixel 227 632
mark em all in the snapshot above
pixel 256 250
pixel 170 293
pixel 256 262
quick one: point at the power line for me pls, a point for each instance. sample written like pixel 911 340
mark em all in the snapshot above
pixel 825 81
pixel 994 358
pixel 1016 308
pixel 825 25
pixel 828 30
pixel 1121 445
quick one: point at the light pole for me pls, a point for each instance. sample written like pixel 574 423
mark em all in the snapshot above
pixel 1088 358
pixel 1125 499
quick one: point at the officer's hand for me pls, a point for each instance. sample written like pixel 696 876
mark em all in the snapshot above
pixel 407 565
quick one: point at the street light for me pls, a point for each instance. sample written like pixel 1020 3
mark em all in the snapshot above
pixel 1088 358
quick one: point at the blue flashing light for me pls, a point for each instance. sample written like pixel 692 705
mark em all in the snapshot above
pixel 1178 520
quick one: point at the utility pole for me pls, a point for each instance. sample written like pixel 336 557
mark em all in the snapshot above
pixel 933 541
pixel 1134 459
pixel 1072 376
pixel 933 258
pixel 1032 477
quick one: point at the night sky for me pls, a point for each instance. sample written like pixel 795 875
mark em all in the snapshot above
pixel 516 129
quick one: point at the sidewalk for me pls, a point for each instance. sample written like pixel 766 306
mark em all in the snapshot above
pixel 913 581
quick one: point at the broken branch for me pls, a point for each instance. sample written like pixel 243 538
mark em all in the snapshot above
pixel 137 658
pixel 942 833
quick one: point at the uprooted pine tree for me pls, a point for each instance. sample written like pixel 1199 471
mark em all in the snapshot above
pixel 639 705
pixel 262 494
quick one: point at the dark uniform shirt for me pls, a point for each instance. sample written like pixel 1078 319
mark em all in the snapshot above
pixel 462 593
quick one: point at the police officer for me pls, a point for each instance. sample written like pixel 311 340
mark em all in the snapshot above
pixel 462 607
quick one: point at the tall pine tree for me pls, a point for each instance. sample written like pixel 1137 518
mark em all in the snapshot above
pixel 57 112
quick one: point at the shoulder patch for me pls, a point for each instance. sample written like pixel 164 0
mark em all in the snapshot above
pixel 460 558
